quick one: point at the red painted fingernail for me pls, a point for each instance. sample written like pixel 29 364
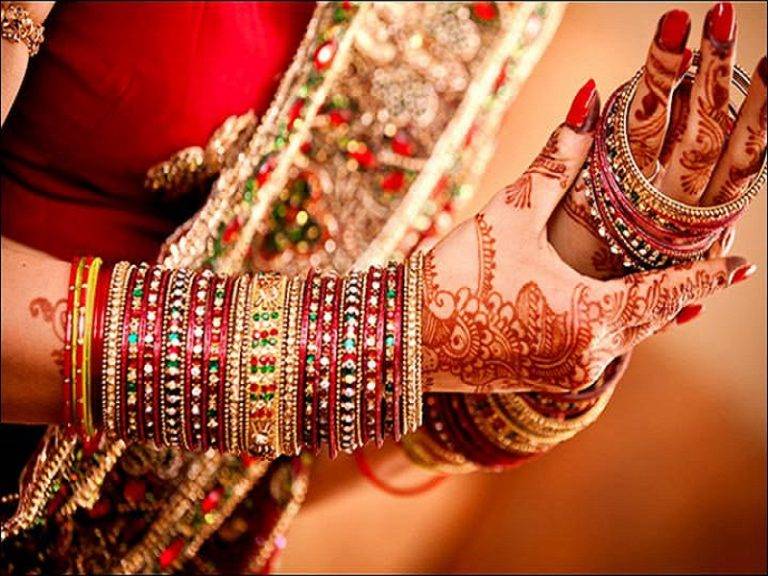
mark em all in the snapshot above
pixel 585 109
pixel 742 273
pixel 721 23
pixel 688 313
pixel 685 63
pixel 763 70
pixel 672 32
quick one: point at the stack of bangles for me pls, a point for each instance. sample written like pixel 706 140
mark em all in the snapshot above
pixel 639 222
pixel 259 364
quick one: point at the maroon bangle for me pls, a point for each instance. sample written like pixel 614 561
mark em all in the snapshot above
pixel 371 357
pixel 380 335
pixel 67 415
pixel 130 353
pixel 302 355
pixel 397 367
pixel 211 348
pixel 222 365
pixel 97 351
pixel 332 368
pixel 193 397
pixel 143 313
pixel 152 416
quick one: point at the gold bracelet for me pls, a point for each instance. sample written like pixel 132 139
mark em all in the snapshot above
pixel 111 360
pixel 264 370
pixel 237 323
pixel 18 26
pixel 93 276
pixel 413 302
pixel 287 397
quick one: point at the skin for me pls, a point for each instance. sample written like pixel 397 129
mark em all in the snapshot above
pixel 530 272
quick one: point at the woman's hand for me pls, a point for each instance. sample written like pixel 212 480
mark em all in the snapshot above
pixel 503 312
pixel 681 133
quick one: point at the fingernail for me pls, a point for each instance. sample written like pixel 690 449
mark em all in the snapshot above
pixel 721 25
pixel 685 62
pixel 763 70
pixel 728 239
pixel 688 313
pixel 585 109
pixel 742 273
pixel 673 30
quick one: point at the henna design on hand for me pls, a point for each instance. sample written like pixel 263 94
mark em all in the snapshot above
pixel 754 150
pixel 647 134
pixel 579 211
pixel 492 343
pixel 681 112
pixel 547 164
pixel 712 127
pixel 54 314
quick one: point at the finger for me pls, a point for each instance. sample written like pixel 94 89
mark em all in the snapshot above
pixel 680 111
pixel 724 243
pixel 543 184
pixel 649 111
pixel 746 146
pixel 693 160
pixel 656 297
pixel 572 232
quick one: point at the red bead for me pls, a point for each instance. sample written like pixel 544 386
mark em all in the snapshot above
pixel 211 500
pixel 364 157
pixel 339 117
pixel 393 182
pixel 401 144
pixel 306 147
pixel 295 111
pixel 171 553
pixel 485 11
pixel 324 54
pixel 265 170
pixel 134 490
pixel 231 232
pixel 100 509
pixel 90 445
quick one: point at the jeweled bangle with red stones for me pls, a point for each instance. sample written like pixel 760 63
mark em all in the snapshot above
pixel 258 364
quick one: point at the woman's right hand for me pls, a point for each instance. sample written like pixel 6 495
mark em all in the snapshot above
pixel 504 313
pixel 680 132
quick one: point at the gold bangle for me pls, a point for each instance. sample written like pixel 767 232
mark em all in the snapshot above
pixel 413 302
pixel 93 275
pixel 75 335
pixel 264 367
pixel 287 397
pixel 18 26
pixel 232 391
pixel 650 199
pixel 111 361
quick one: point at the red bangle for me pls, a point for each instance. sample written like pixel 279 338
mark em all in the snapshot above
pixel 66 414
pixel 380 336
pixel 371 356
pixel 155 314
pixel 332 368
pixel 222 366
pixel 194 393
pixel 365 469
pixel 97 356
pixel 211 346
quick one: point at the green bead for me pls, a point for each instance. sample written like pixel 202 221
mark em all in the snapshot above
pixel 275 315
pixel 310 358
pixel 265 316
pixel 313 316
pixel 133 338
pixel 211 413
pixel 389 340
pixel 173 337
pixel 131 387
pixel 137 292
pixel 173 363
pixel 391 293
pixel 213 365
pixel 349 344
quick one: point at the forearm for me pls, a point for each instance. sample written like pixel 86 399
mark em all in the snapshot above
pixel 34 287
pixel 263 364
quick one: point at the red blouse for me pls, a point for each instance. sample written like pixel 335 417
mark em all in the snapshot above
pixel 116 88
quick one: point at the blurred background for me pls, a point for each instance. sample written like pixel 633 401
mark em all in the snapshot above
pixel 672 478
